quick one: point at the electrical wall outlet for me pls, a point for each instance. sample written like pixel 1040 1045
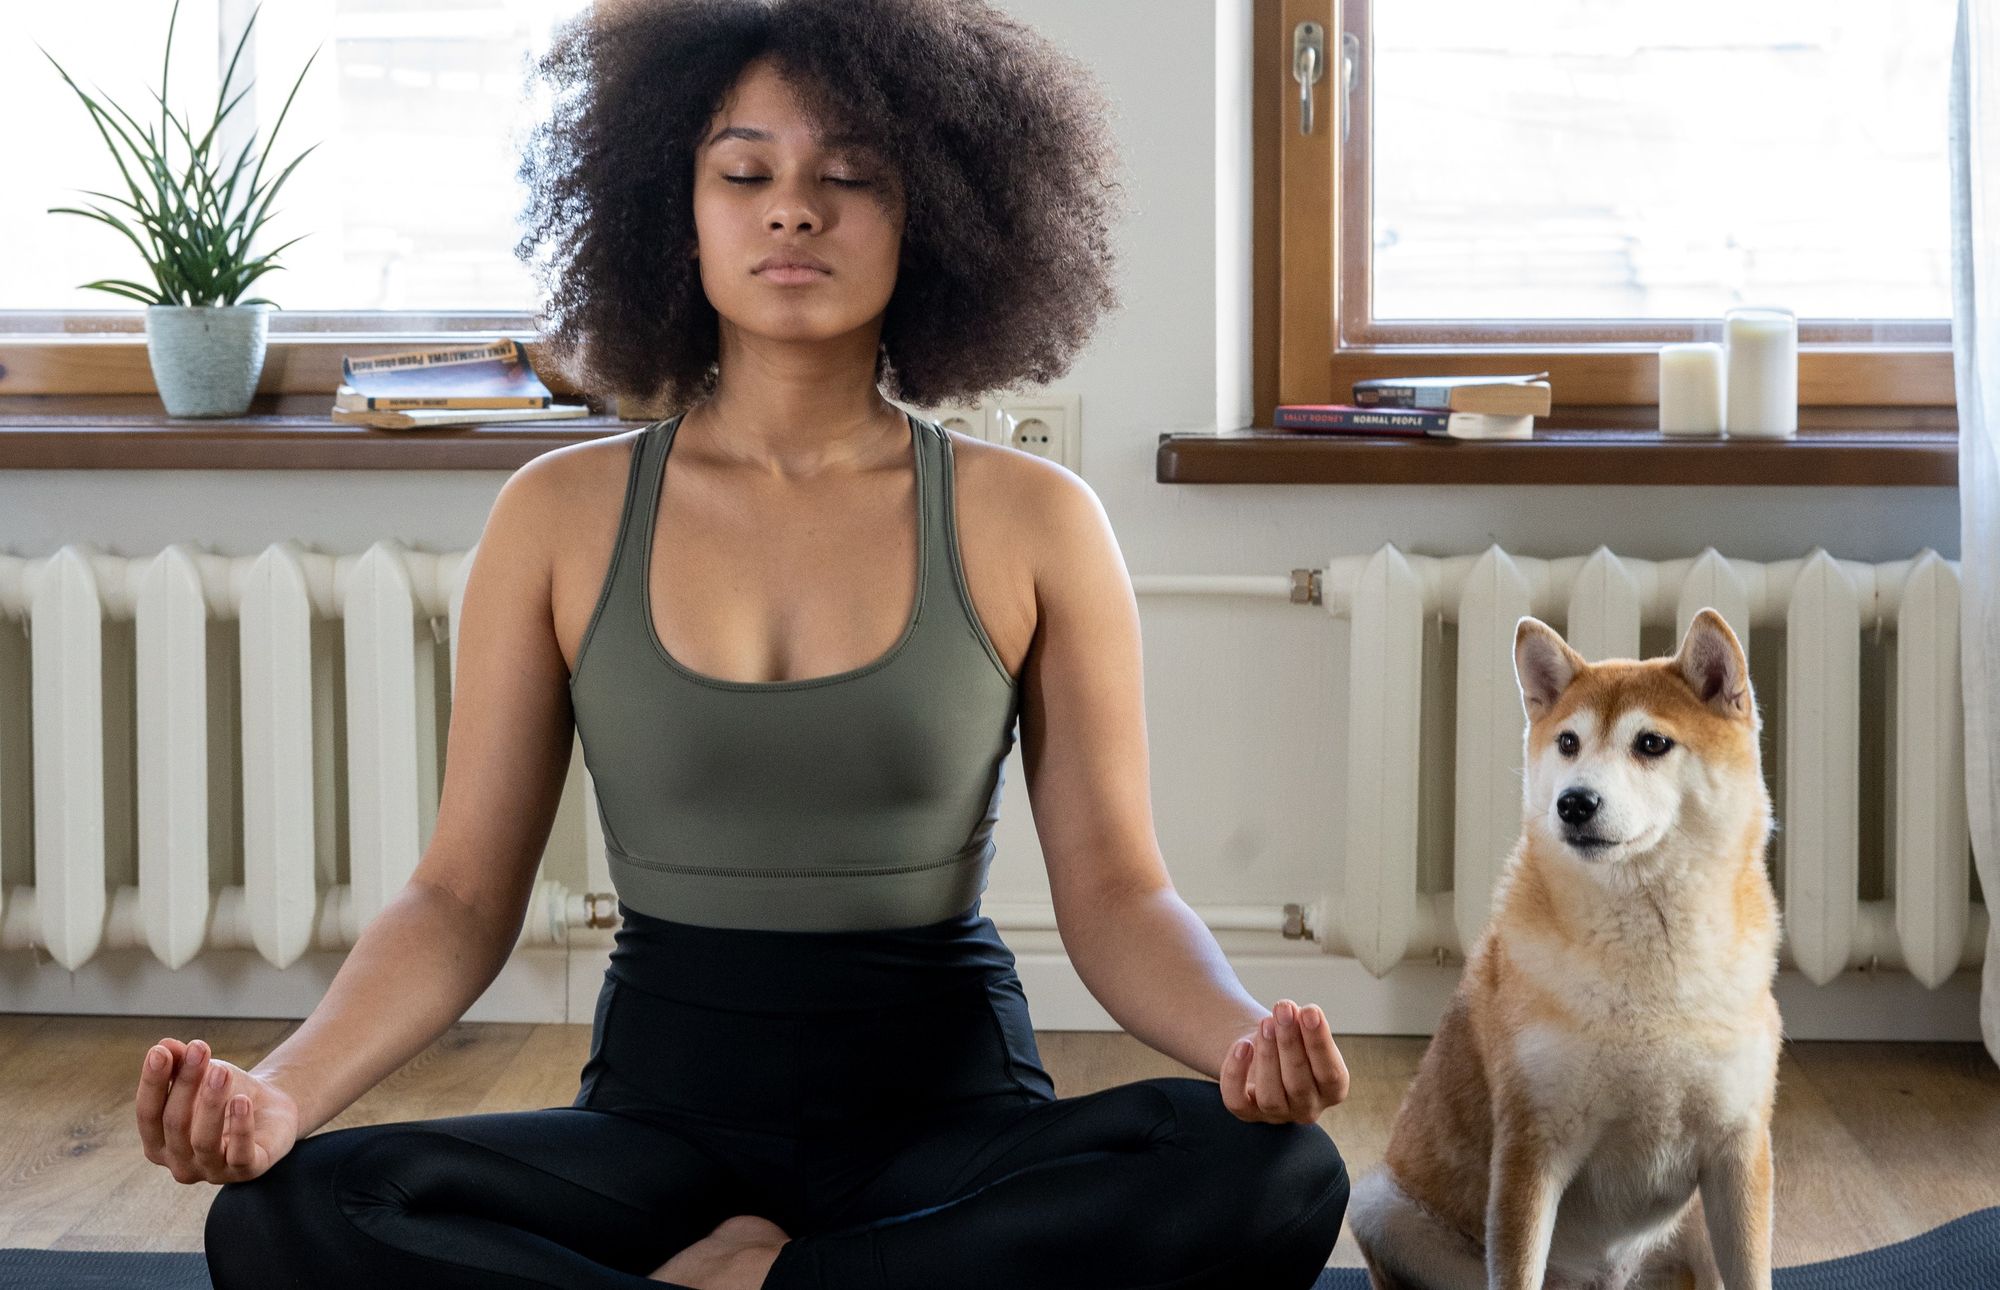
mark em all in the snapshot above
pixel 1048 425
pixel 966 418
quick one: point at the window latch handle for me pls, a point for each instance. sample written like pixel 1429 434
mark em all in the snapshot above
pixel 1308 65
pixel 1350 62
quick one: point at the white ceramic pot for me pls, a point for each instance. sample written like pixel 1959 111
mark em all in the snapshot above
pixel 206 358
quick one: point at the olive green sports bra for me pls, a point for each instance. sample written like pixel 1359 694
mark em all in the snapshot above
pixel 857 801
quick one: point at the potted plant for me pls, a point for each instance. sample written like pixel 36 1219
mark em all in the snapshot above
pixel 205 344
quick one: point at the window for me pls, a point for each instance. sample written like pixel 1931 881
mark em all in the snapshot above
pixel 1566 185
pixel 406 210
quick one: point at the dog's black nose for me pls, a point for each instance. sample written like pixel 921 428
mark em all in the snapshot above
pixel 1577 805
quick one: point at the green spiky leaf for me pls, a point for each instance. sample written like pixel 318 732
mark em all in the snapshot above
pixel 187 221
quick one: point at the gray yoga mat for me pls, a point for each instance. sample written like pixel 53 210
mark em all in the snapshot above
pixel 1962 1254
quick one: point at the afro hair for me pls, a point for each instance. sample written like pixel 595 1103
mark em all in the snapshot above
pixel 998 141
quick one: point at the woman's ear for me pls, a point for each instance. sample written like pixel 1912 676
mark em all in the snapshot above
pixel 1544 665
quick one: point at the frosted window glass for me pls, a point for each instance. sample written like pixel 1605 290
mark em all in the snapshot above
pixel 1622 160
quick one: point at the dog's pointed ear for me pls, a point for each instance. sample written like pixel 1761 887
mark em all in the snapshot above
pixel 1544 665
pixel 1711 660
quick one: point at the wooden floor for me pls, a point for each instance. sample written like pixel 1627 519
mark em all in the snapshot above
pixel 1874 1142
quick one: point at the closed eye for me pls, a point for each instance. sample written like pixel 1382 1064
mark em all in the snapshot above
pixel 831 179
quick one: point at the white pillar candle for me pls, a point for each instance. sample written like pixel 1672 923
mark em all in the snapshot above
pixel 1763 372
pixel 1691 389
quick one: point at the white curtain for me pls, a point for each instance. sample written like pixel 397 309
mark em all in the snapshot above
pixel 1975 307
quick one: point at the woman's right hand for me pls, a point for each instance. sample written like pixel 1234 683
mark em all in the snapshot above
pixel 207 1134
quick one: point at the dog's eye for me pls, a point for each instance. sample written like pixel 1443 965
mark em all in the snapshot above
pixel 1567 743
pixel 1653 745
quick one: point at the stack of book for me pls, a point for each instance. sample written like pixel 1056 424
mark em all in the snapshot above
pixel 1446 407
pixel 451 386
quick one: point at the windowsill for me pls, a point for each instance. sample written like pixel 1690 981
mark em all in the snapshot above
pixel 1835 447
pixel 280 432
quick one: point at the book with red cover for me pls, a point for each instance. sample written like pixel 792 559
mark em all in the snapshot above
pixel 1434 423
pixel 1350 418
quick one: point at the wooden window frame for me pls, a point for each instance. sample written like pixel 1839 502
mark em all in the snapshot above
pixel 1311 340
pixel 103 352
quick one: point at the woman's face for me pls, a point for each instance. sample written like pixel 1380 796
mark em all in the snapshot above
pixel 765 185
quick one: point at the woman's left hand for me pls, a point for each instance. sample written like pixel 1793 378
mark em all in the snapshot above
pixel 1288 1075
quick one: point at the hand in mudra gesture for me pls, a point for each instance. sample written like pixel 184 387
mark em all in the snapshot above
pixel 205 1132
pixel 1290 1074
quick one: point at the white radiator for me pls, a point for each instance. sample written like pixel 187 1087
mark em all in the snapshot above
pixel 1927 923
pixel 138 712
pixel 133 695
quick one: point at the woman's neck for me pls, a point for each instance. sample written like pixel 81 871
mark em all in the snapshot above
pixel 795 434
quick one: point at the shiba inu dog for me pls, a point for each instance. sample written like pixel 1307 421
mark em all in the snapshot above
pixel 1594 1109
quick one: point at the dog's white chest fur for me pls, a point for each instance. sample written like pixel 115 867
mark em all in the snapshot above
pixel 1652 1073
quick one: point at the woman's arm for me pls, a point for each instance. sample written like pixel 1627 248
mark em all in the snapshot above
pixel 1138 947
pixel 439 943
pixel 413 971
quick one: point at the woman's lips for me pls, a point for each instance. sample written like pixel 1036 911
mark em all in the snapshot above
pixel 790 274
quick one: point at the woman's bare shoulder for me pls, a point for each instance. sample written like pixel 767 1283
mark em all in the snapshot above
pixel 571 500
pixel 996 468
pixel 1013 488
pixel 576 474
pixel 1001 496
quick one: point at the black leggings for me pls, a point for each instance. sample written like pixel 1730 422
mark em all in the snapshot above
pixel 878 1095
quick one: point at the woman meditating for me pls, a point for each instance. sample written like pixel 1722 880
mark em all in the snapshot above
pixel 794 627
